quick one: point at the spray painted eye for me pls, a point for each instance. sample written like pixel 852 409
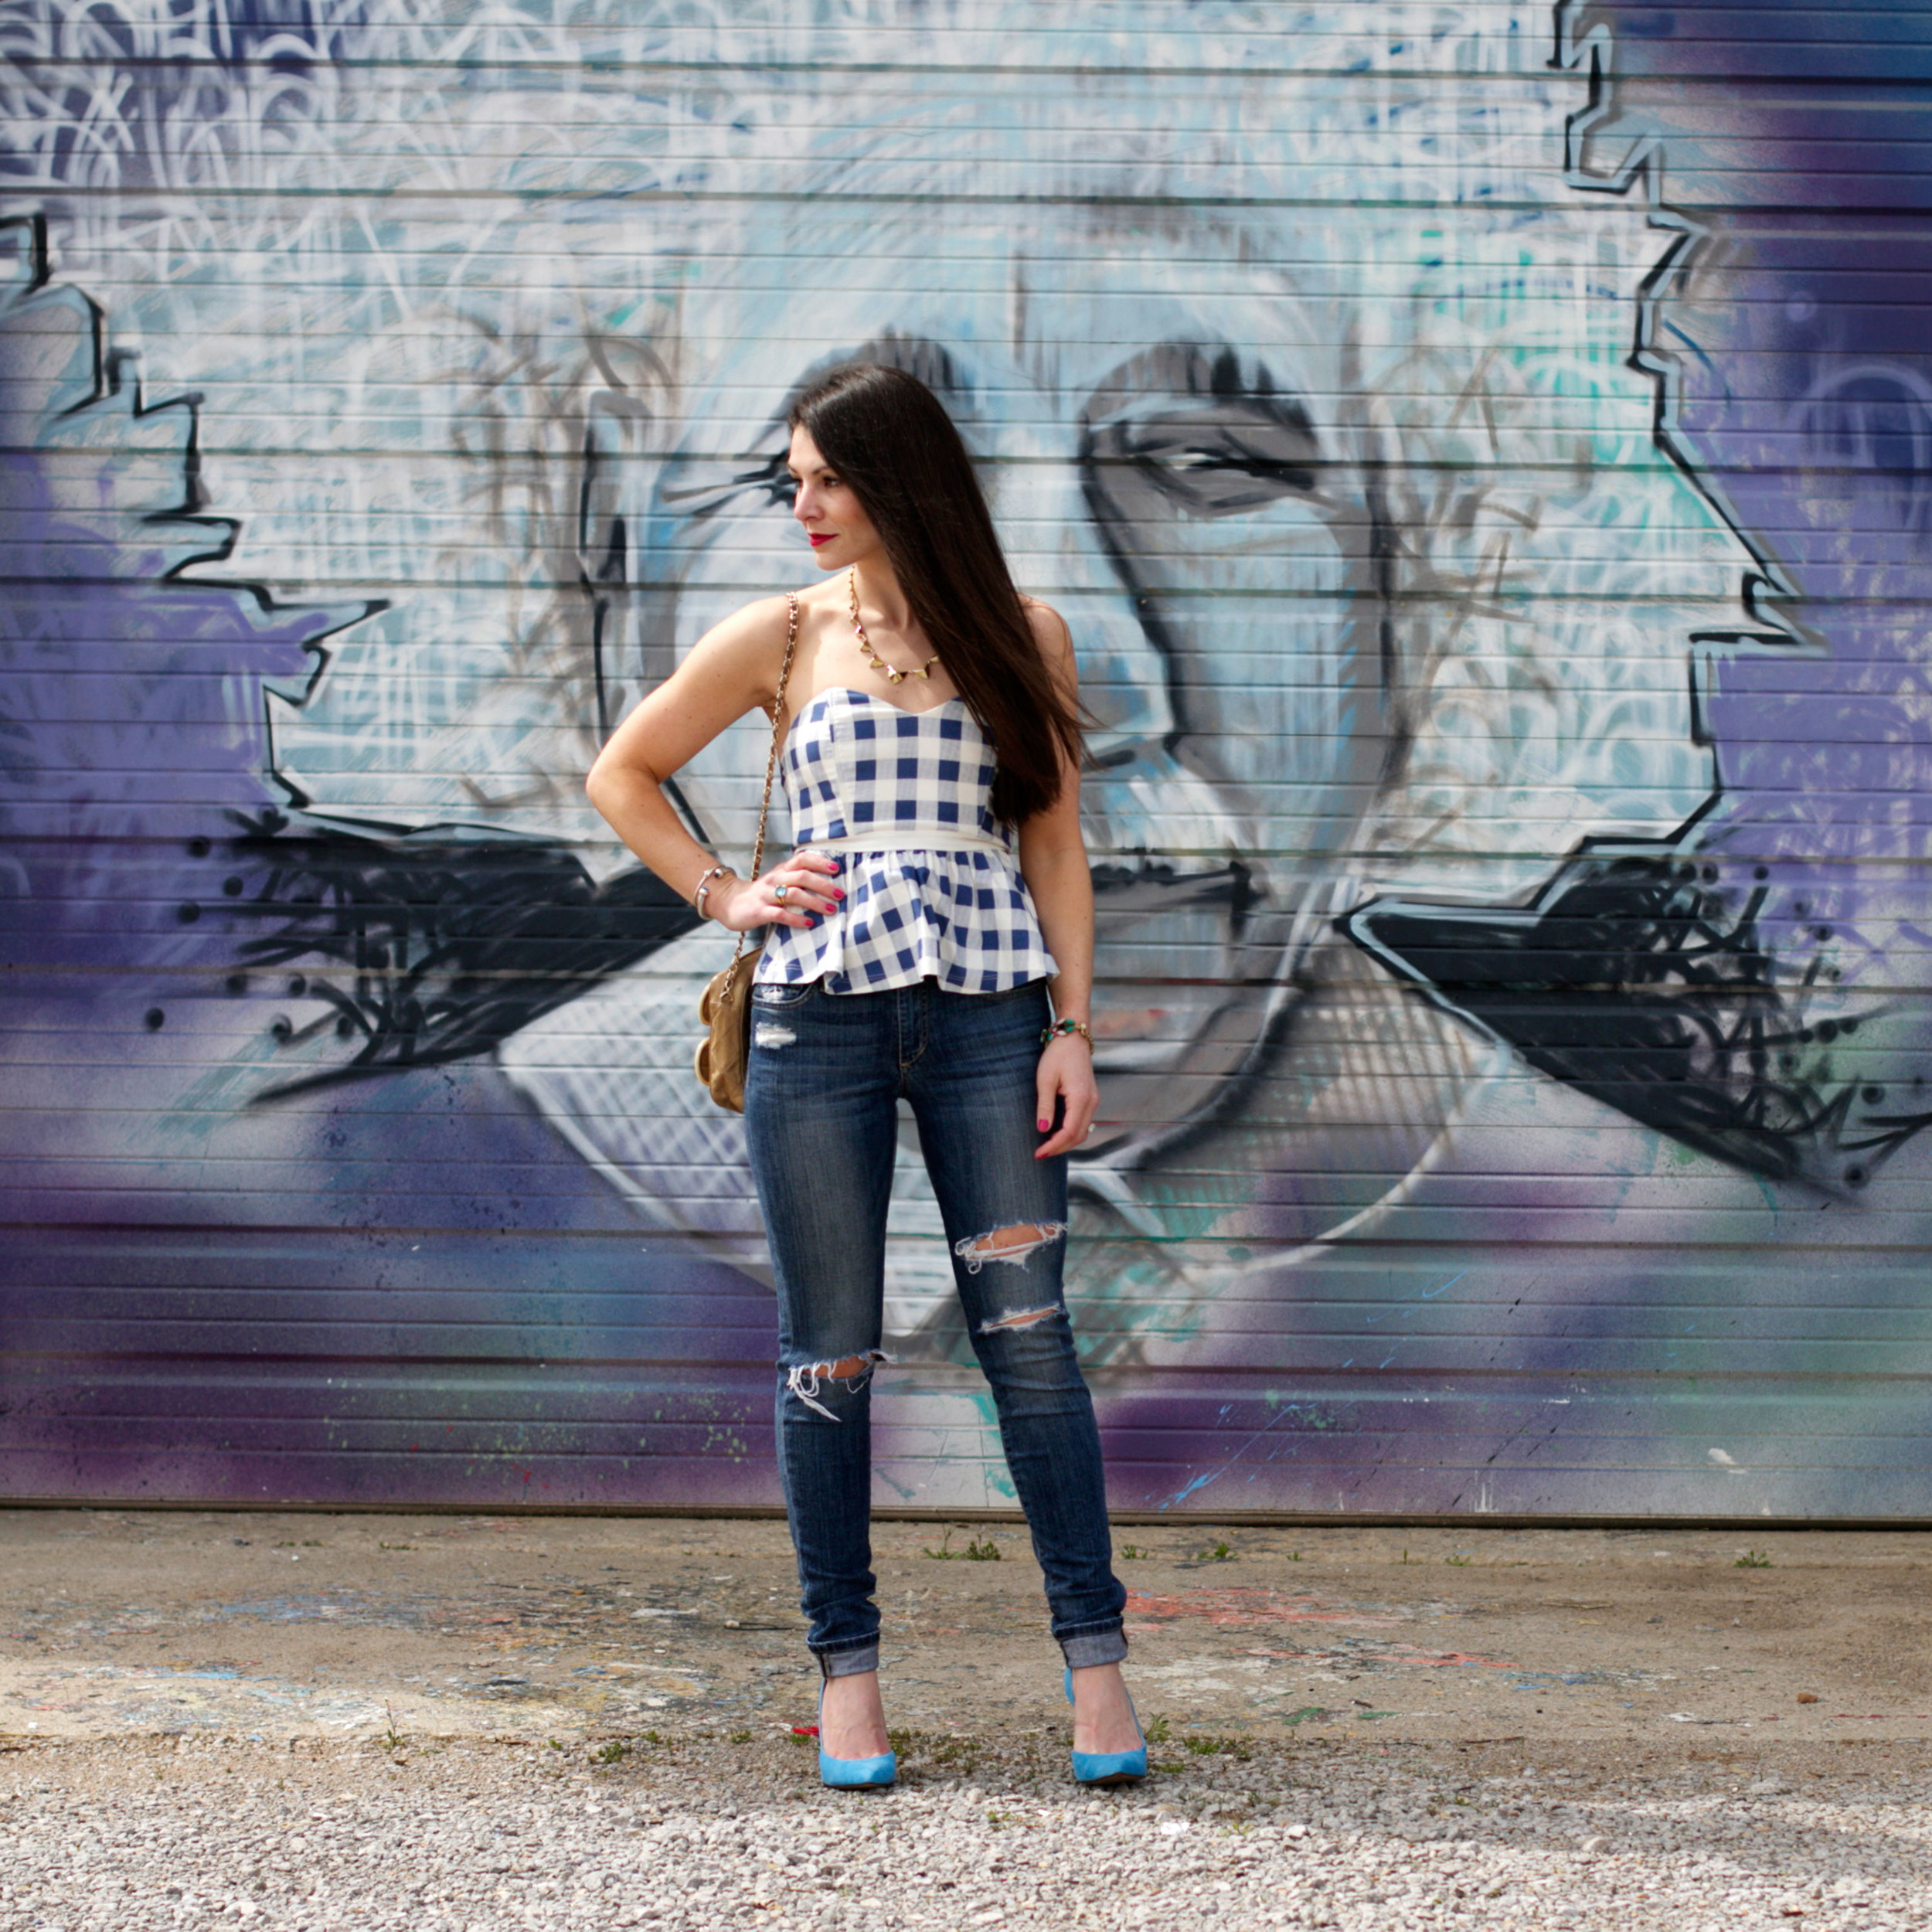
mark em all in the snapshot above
pixel 1180 430
pixel 1223 460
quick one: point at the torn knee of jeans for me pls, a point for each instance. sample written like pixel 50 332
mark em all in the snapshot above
pixel 1020 1318
pixel 1013 1243
pixel 806 1379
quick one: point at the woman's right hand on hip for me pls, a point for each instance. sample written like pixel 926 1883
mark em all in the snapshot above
pixel 798 891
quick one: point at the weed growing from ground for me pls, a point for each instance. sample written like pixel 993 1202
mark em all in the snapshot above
pixel 1752 1559
pixel 977 1551
pixel 1216 1746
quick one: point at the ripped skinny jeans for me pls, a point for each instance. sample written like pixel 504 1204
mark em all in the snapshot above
pixel 827 1073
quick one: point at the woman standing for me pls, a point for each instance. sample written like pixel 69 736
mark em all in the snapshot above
pixel 938 889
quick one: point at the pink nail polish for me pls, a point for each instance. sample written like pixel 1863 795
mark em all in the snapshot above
pixel 1044 1125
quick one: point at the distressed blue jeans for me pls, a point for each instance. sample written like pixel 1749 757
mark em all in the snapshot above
pixel 828 1071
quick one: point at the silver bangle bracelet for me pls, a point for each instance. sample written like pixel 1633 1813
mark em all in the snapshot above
pixel 704 888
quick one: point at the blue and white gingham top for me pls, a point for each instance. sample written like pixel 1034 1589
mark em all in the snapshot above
pixel 932 889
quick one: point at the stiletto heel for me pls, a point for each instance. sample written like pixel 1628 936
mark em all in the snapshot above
pixel 1110 1767
pixel 854 1774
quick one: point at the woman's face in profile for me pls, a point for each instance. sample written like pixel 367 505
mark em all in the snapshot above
pixel 826 507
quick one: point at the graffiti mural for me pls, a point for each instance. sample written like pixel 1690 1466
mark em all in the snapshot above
pixel 1491 524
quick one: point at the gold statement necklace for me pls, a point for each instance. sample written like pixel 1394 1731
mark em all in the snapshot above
pixel 893 674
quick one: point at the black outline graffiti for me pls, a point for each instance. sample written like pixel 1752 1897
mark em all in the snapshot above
pixel 1642 169
pixel 445 946
pixel 1635 978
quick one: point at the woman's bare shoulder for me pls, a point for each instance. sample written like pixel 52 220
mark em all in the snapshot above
pixel 1050 634
pixel 748 646
pixel 756 624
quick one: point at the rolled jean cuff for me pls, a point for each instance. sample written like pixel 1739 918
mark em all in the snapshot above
pixel 854 1662
pixel 1085 1648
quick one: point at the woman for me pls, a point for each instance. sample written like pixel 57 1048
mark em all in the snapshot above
pixel 937 891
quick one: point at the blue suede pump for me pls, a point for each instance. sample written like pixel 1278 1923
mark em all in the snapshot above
pixel 1109 1767
pixel 857 1773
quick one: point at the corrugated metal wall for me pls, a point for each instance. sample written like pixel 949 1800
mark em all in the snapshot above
pixel 1484 460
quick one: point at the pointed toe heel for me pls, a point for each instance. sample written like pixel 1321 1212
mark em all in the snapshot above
pixel 858 1773
pixel 1109 1767
pixel 854 1773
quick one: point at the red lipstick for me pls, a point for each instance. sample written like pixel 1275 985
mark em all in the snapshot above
pixel 818 538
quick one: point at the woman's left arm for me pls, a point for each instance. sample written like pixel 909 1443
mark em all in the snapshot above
pixel 1053 860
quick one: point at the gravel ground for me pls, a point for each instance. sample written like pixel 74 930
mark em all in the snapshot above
pixel 727 1828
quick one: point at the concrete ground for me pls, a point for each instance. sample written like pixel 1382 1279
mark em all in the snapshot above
pixel 1754 1709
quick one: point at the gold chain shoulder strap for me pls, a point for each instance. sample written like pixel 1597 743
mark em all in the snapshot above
pixel 771 763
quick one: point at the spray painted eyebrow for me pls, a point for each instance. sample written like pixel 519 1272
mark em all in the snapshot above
pixel 1196 373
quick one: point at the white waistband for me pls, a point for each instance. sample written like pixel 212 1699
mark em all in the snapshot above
pixel 902 837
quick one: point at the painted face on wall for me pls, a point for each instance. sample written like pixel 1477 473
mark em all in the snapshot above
pixel 1178 429
pixel 1163 477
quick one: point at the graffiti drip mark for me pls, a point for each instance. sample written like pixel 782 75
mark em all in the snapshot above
pixel 1188 1488
pixel 1630 979
pixel 1291 1411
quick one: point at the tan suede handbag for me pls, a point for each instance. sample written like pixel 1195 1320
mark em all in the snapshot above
pixel 725 1010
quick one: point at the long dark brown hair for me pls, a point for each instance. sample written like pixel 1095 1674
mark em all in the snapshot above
pixel 887 435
